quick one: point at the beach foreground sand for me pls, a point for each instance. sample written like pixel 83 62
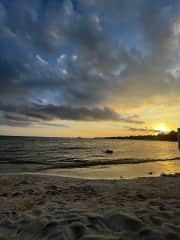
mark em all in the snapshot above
pixel 45 207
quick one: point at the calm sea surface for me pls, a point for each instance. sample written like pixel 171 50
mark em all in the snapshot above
pixel 19 154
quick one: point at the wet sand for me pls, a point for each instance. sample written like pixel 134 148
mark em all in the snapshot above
pixel 49 207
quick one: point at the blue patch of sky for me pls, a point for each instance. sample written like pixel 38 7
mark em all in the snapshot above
pixel 49 97
pixel 67 49
pixel 77 7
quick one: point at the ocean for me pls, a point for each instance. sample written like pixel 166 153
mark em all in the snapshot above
pixel 81 157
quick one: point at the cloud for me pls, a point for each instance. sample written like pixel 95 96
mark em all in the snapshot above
pixel 40 60
pixel 86 55
pixel 42 113
pixel 147 130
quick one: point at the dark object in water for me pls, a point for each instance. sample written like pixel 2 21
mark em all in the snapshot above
pixel 109 151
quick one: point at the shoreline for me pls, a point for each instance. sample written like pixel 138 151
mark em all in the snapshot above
pixel 69 178
pixel 53 207
pixel 107 171
pixel 118 171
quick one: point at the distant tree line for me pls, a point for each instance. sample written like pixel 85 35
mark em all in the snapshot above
pixel 171 136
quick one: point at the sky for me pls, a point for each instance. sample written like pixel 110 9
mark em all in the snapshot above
pixel 89 68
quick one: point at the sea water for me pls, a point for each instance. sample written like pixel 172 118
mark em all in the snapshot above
pixel 87 158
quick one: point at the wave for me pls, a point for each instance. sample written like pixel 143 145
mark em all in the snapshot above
pixel 93 163
pixel 76 163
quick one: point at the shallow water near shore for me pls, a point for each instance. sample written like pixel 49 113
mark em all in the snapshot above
pixel 122 171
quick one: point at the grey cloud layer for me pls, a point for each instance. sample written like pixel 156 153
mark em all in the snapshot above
pixel 146 130
pixel 123 50
pixel 36 113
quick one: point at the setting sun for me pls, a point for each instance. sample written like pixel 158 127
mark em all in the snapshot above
pixel 161 128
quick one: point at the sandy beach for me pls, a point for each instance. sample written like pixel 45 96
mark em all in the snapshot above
pixel 49 207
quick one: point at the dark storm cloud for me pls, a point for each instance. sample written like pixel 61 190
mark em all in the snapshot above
pixel 82 55
pixel 17 120
pixel 35 113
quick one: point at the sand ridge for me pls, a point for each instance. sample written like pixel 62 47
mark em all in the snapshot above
pixel 44 207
